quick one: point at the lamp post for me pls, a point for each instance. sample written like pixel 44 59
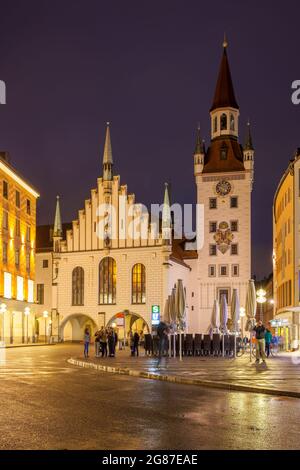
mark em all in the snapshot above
pixel 242 314
pixel 45 315
pixel 2 312
pixel 27 313
pixel 261 299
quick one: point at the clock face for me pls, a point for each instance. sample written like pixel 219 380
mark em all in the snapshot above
pixel 223 188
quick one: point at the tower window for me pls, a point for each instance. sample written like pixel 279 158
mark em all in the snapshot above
pixel 234 202
pixel 28 207
pixel 234 249
pixel 232 126
pixel 212 227
pixel 212 202
pixel 223 122
pixel 223 152
pixel 215 124
pixel 234 225
pixel 212 270
pixel 212 250
pixel 18 199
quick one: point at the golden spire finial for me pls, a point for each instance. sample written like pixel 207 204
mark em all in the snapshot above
pixel 225 42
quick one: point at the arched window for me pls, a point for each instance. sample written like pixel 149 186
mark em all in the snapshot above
pixel 78 286
pixel 223 151
pixel 223 122
pixel 138 291
pixel 107 281
pixel 232 122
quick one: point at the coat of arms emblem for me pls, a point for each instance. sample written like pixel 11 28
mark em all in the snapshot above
pixel 223 237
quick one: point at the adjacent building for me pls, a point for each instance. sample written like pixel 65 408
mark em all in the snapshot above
pixel 17 254
pixel 286 254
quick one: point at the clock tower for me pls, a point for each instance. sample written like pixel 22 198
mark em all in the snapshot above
pixel 224 177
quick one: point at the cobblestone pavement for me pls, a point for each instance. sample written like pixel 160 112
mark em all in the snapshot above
pixel 280 373
pixel 48 404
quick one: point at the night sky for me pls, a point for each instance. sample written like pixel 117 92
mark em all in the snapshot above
pixel 150 69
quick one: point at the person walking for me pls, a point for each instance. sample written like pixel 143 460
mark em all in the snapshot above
pixel 162 332
pixel 103 339
pixel 268 340
pixel 136 340
pixel 86 340
pixel 260 331
pixel 97 343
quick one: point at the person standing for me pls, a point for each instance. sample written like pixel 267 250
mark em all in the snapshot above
pixel 87 339
pixel 104 342
pixel 268 340
pixel 111 342
pixel 97 343
pixel 260 332
pixel 162 332
pixel 136 340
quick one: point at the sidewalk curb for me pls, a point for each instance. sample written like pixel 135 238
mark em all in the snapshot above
pixel 182 380
pixel 12 346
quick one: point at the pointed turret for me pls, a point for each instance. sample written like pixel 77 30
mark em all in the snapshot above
pixel 199 153
pixel 107 157
pixel 248 141
pixel 166 218
pixel 248 152
pixel 57 229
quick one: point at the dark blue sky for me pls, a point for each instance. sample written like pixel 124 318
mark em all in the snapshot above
pixel 150 68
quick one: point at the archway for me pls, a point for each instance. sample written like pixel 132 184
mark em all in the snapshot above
pixel 127 321
pixel 72 327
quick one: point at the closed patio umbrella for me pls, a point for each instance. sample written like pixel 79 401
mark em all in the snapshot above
pixel 224 318
pixel 173 317
pixel 180 312
pixel 215 318
pixel 250 310
pixel 166 315
pixel 235 315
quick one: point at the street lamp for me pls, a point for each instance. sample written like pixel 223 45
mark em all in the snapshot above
pixel 45 315
pixel 27 313
pixel 261 299
pixel 2 312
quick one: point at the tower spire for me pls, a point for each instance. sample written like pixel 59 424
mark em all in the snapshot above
pixel 248 141
pixel 166 217
pixel 224 93
pixel 107 156
pixel 57 231
pixel 199 147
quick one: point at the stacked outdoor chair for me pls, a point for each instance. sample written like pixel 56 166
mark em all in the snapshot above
pixel 216 344
pixel 226 344
pixel 198 344
pixel 188 345
pixel 177 344
pixel 206 345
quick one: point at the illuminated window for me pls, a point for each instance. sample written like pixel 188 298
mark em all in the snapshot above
pixel 30 296
pixel 138 284
pixel 232 122
pixel 20 288
pixel 215 124
pixel 77 286
pixel 28 233
pixel 28 262
pixel 223 122
pixel 7 285
pixel 107 281
pixel 5 220
pixel 17 258
pixel 5 189
pixel 28 206
pixel 4 252
pixel 17 228
pixel 18 199
pixel 40 293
